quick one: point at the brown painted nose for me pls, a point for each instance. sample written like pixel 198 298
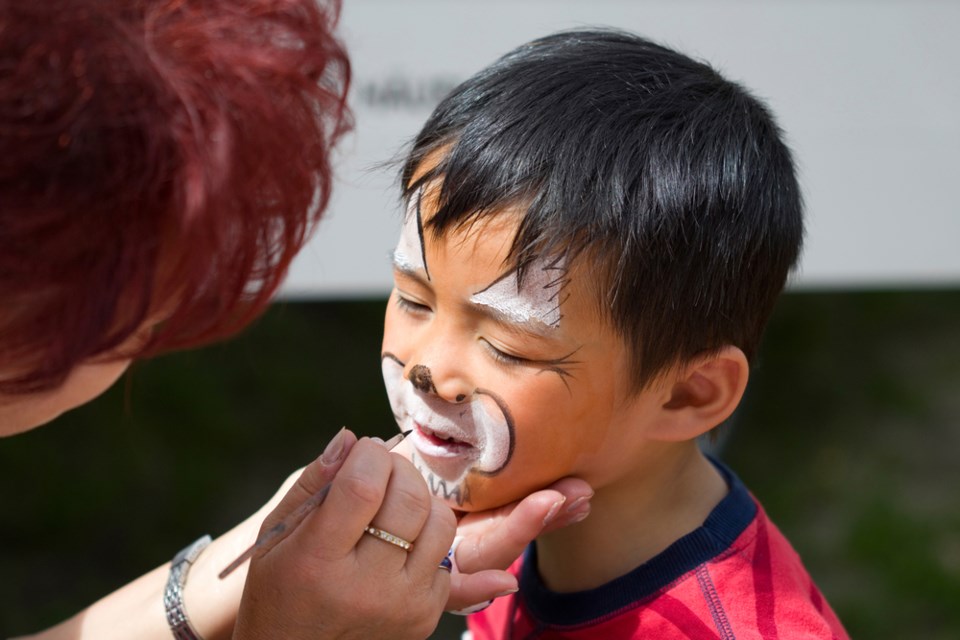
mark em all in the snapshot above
pixel 421 379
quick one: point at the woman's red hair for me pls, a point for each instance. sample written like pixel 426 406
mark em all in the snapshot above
pixel 160 159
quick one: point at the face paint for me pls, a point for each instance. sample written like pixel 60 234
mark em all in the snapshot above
pixel 450 440
pixel 471 329
pixel 409 251
pixel 536 302
pixel 422 380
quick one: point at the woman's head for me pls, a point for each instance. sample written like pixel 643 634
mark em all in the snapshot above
pixel 161 163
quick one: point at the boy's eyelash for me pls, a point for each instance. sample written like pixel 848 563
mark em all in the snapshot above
pixel 410 306
pixel 504 357
pixel 557 366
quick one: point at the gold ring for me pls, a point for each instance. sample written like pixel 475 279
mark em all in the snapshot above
pixel 389 537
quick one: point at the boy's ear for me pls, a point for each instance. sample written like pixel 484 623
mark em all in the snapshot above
pixel 703 394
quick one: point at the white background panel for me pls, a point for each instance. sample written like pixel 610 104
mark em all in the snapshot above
pixel 867 92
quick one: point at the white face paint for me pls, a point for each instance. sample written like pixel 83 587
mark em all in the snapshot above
pixel 450 440
pixel 409 252
pixel 537 302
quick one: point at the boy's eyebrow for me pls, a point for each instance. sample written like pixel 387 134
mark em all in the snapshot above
pixel 534 306
pixel 509 321
pixel 402 265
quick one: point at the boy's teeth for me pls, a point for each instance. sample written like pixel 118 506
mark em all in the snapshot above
pixel 434 434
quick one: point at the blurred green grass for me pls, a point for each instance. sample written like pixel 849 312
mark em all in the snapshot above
pixel 849 436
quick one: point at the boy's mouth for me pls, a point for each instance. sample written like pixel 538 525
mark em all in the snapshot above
pixel 437 444
pixel 449 440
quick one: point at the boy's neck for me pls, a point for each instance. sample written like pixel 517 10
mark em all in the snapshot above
pixel 633 520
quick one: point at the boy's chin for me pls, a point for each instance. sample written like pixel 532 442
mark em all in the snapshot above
pixel 475 492
pixel 482 493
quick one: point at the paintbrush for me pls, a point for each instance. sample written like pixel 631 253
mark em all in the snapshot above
pixel 281 530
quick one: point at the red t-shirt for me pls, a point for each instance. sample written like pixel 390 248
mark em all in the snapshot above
pixel 734 577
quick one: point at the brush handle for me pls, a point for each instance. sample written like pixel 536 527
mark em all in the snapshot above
pixel 269 539
pixel 281 530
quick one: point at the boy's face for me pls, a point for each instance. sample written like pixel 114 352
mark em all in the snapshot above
pixel 505 390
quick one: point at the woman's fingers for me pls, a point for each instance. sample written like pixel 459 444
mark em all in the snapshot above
pixel 330 579
pixel 432 545
pixel 469 589
pixel 405 509
pixel 301 486
pixel 356 495
pixel 494 539
pixel 428 582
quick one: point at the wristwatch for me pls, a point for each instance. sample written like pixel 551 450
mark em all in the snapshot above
pixel 173 593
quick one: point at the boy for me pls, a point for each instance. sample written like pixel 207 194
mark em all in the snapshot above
pixel 597 230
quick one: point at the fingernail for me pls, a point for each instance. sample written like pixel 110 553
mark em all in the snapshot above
pixel 334 450
pixel 573 506
pixel 506 593
pixel 554 509
pixel 580 517
pixel 394 441
pixel 480 606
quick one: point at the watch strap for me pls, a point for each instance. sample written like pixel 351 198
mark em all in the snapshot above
pixel 173 593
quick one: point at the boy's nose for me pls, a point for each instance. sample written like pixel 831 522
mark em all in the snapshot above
pixel 451 388
pixel 422 379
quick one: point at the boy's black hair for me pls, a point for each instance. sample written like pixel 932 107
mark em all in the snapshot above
pixel 671 180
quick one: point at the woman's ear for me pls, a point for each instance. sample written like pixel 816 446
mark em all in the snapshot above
pixel 703 393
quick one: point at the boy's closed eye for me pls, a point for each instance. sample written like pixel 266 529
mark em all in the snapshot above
pixel 505 357
pixel 408 304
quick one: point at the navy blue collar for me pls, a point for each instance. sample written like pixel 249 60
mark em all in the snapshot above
pixel 724 525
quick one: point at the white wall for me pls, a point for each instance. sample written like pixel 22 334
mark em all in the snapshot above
pixel 868 93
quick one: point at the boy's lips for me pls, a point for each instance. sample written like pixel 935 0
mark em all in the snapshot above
pixel 439 444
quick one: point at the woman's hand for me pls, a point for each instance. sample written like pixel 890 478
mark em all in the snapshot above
pixel 330 579
pixel 494 539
